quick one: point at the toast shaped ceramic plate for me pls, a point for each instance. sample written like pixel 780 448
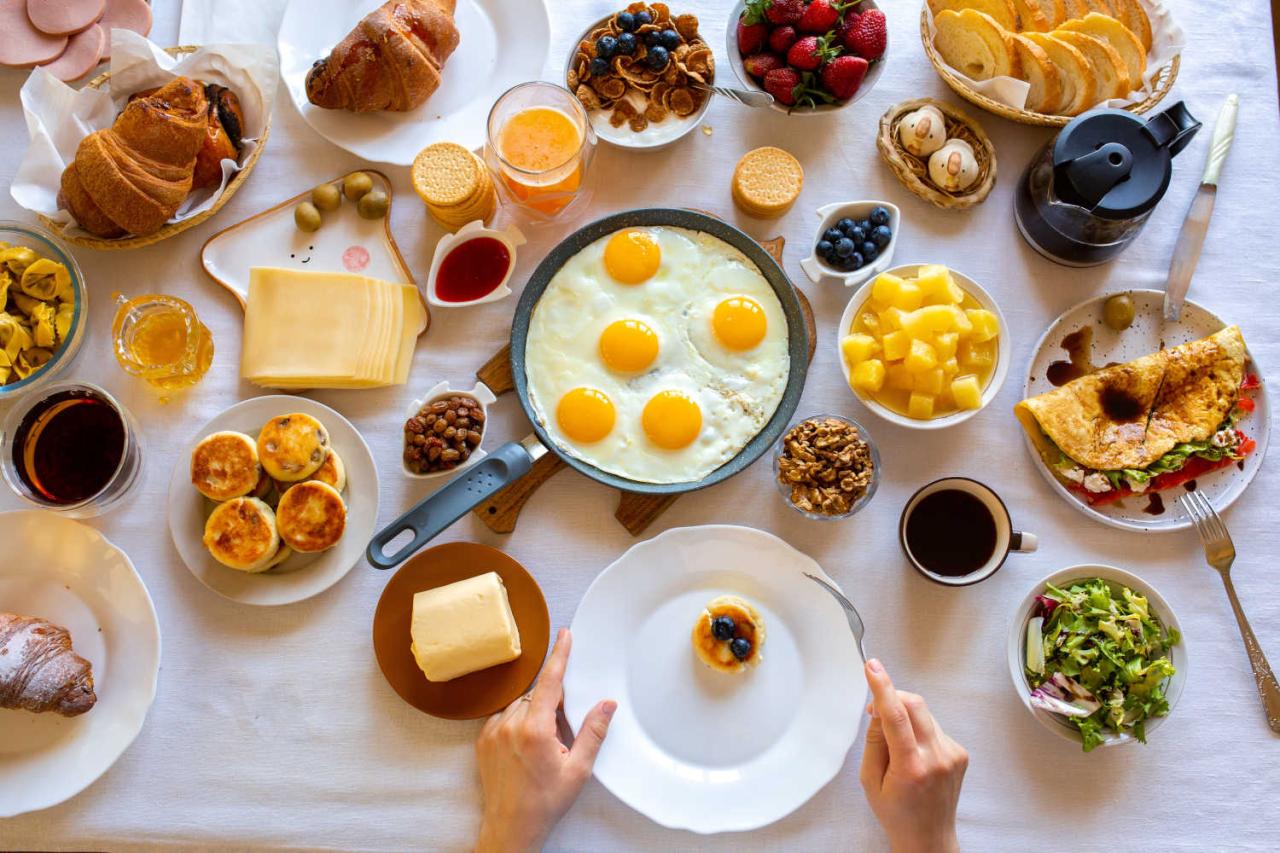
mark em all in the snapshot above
pixel 345 243
pixel 501 43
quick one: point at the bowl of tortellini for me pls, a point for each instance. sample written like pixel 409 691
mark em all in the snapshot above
pixel 43 310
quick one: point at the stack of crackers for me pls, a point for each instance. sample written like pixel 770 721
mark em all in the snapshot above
pixel 455 185
pixel 767 182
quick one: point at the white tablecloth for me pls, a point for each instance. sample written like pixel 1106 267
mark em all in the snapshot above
pixel 274 728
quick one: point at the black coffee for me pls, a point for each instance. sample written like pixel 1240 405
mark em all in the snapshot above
pixel 951 533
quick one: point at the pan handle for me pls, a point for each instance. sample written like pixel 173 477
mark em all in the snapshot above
pixel 429 517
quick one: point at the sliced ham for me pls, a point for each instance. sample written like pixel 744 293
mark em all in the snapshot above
pixel 124 15
pixel 64 17
pixel 20 42
pixel 83 53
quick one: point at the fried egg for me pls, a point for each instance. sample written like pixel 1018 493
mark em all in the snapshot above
pixel 657 354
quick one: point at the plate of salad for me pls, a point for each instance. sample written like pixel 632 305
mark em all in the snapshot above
pixel 1123 411
pixel 1097 656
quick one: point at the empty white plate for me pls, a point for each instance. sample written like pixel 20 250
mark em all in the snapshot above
pixel 701 750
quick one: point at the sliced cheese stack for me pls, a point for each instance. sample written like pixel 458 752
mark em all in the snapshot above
pixel 463 627
pixel 328 330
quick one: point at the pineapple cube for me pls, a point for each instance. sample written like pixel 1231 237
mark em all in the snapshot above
pixel 896 345
pixel 868 322
pixel 920 406
pixel 909 297
pixel 930 381
pixel 985 324
pixel 950 366
pixel 977 357
pixel 946 344
pixel 890 319
pixel 967 392
pixel 899 378
pixel 868 376
pixel 924 322
pixel 858 348
pixel 937 285
pixel 921 357
pixel 963 324
pixel 885 288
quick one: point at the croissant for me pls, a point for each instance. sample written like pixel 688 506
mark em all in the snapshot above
pixel 392 60
pixel 223 139
pixel 38 670
pixel 131 177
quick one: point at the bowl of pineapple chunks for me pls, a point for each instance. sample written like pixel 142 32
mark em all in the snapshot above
pixel 923 346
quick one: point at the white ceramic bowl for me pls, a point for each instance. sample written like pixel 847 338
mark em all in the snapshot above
pixel 749 82
pixel 820 272
pixel 482 395
pixel 1115 578
pixel 1004 351
pixel 510 237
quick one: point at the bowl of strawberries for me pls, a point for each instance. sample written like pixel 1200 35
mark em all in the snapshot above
pixel 812 56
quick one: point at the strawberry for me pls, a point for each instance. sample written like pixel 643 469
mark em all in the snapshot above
pixel 819 16
pixel 784 12
pixel 751 36
pixel 760 64
pixel 810 52
pixel 868 36
pixel 845 27
pixel 781 39
pixel 843 75
pixel 782 83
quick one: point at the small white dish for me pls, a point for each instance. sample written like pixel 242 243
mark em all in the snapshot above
pixel 1004 351
pixel 510 237
pixel 70 574
pixel 482 395
pixel 301 575
pixel 1017 647
pixel 820 272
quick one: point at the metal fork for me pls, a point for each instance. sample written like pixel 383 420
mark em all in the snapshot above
pixel 1221 553
pixel 850 612
pixel 741 96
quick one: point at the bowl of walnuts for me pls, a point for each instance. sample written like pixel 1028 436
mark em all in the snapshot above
pixel 827 467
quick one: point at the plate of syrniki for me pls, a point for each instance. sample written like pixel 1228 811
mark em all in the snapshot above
pixel 273 500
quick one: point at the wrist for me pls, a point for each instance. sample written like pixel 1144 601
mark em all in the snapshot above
pixel 940 842
pixel 499 834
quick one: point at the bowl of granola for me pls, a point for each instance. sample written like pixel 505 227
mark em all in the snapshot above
pixel 827 467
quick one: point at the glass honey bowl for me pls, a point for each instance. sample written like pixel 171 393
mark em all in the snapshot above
pixel 160 339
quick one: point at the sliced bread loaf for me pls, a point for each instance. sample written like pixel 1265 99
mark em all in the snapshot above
pixel 1039 15
pixel 1118 35
pixel 1108 67
pixel 1001 11
pixel 974 44
pixel 1132 15
pixel 1043 75
pixel 1079 84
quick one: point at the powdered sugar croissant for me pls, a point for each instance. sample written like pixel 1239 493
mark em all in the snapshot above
pixel 39 672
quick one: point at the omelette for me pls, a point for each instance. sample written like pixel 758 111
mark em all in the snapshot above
pixel 1152 423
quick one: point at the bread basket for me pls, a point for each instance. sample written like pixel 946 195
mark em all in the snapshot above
pixel 1163 83
pixel 913 171
pixel 64 232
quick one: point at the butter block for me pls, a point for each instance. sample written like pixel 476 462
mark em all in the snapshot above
pixel 463 627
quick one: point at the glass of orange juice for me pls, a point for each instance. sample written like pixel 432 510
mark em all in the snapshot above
pixel 540 146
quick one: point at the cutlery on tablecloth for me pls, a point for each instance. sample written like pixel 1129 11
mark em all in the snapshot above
pixel 1221 553
pixel 1196 225
pixel 741 96
pixel 850 612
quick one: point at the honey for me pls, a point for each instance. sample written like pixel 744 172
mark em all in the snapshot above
pixel 160 339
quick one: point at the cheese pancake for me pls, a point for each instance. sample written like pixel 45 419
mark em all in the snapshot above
pixel 311 516
pixel 225 466
pixel 262 491
pixel 715 652
pixel 332 471
pixel 292 447
pixel 241 534
pixel 283 553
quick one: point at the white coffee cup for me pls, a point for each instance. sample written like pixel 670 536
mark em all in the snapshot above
pixel 1006 538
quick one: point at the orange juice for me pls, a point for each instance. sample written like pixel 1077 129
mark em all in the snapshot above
pixel 545 146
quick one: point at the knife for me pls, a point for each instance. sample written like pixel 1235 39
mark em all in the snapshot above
pixel 1196 225
pixel 850 612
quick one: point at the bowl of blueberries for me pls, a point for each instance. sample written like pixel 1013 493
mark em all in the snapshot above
pixel 854 242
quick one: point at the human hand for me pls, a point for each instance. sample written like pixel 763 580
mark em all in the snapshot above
pixel 911 770
pixel 529 777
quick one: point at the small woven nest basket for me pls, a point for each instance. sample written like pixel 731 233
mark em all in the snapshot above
pixel 170 229
pixel 1164 82
pixel 913 171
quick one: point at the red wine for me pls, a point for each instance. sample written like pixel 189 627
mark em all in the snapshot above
pixel 951 533
pixel 69 446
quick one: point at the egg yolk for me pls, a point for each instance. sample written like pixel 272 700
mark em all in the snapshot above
pixel 632 256
pixel 739 323
pixel 586 414
pixel 671 420
pixel 628 346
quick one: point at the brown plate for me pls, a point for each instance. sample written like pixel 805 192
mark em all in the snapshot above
pixel 480 693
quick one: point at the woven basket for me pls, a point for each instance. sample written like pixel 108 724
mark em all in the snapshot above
pixel 1164 82
pixel 172 228
pixel 913 171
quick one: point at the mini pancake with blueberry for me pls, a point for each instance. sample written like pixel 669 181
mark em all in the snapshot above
pixel 729 635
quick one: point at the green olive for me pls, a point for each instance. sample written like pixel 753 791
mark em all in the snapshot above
pixel 373 205
pixel 1118 312
pixel 356 185
pixel 326 197
pixel 306 217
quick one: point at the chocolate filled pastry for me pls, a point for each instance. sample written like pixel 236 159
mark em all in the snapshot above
pixel 39 672
pixel 223 138
pixel 729 634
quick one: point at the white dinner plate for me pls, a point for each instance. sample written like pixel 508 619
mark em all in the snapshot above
pixel 68 573
pixel 501 43
pixel 701 750
pixel 1149 333
pixel 301 575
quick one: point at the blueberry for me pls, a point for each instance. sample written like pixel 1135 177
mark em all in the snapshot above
pixel 652 38
pixel 658 57
pixel 670 39
pixel 832 235
pixel 845 224
pixel 722 627
pixel 865 225
pixel 627 21
pixel 857 235
pixel 845 247
pixel 627 44
pixel 879 216
pixel 606 46
pixel 599 67
pixel 869 251
pixel 741 647
pixel 881 235
pixel 856 260
pixel 825 248
pixel 643 17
